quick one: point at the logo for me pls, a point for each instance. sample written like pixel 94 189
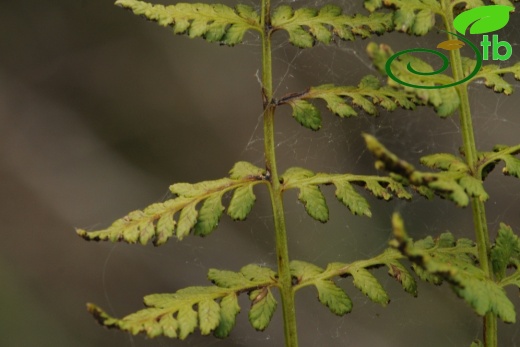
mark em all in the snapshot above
pixel 483 20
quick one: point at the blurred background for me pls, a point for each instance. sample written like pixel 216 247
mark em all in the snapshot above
pixel 101 111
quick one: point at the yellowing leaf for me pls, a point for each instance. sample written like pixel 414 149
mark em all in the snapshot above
pixel 215 22
pixel 307 25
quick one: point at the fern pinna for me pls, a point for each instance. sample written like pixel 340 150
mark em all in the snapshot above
pixel 477 271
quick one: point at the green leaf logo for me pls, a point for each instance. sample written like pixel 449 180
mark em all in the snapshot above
pixel 483 19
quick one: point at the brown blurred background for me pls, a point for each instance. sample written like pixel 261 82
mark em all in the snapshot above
pixel 101 111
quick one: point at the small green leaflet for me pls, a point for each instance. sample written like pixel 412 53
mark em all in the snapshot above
pixel 314 201
pixel 249 276
pixel 445 100
pixel 455 183
pixel 445 162
pixel 412 16
pixel 477 343
pixel 488 160
pixel 368 285
pixel 493 75
pixel 262 309
pixel 215 22
pixel 455 261
pixel 156 222
pixel 505 252
pixel 229 309
pixel 346 193
pixel 342 100
pixel 307 25
pixel 333 297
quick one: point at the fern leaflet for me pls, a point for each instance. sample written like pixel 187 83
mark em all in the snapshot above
pixel 215 23
pixel 342 99
pixel 156 222
pixel 313 199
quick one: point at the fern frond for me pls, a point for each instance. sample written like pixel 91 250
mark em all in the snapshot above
pixel 455 183
pixel 156 222
pixel 341 100
pixel 488 160
pixel 455 261
pixel 210 309
pixel 313 199
pixel 308 25
pixel 215 23
pixel 411 16
pixel 493 75
pixel 505 253
pixel 444 100
pixel 335 298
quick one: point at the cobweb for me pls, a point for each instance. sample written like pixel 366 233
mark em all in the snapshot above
pixel 437 317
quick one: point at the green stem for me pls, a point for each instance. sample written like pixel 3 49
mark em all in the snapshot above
pixel 471 154
pixel 275 189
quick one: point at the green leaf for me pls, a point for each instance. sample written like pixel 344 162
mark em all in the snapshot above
pixel 368 284
pixel 493 76
pixel 512 166
pixel 228 279
pixel 445 100
pixel 307 25
pixel 215 22
pixel 483 19
pixel 209 316
pixel 505 251
pixel 488 160
pixel 229 309
pixel 477 343
pixel 445 161
pixel 379 191
pixel 346 193
pixel 333 297
pixel 187 220
pixel 262 309
pixel 258 274
pixel 304 271
pixel 455 185
pixel 170 314
pixel 308 183
pixel 209 215
pixel 341 100
pixel 156 222
pixel 244 170
pixel 456 263
pixel 210 309
pixel 306 114
pixel 242 202
pixel 473 187
pixel 249 276
pixel 314 202
pixel 414 16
